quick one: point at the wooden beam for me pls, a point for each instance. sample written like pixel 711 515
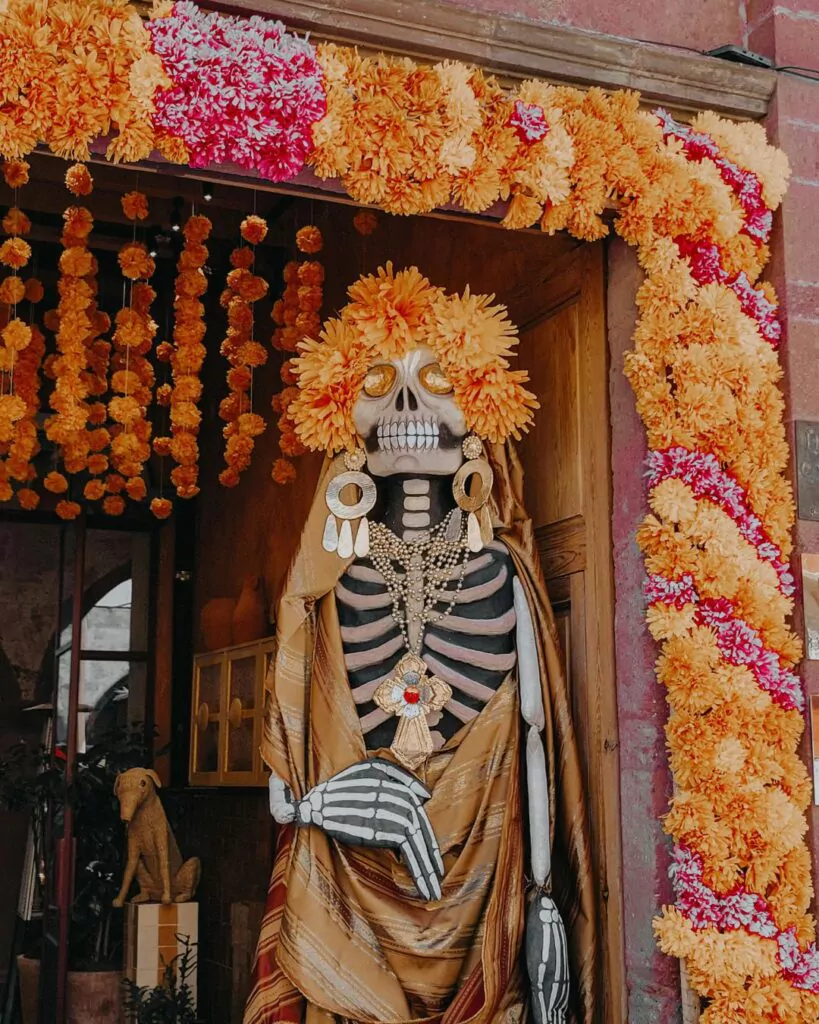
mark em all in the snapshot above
pixel 519 49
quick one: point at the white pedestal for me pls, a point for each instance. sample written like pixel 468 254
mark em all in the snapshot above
pixel 153 937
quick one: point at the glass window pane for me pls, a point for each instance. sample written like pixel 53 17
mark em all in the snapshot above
pixel 107 626
pixel 240 747
pixel 243 680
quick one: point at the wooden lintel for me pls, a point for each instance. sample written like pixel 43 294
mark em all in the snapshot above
pixel 520 49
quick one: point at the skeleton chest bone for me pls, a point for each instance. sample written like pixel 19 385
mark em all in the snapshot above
pixel 472 648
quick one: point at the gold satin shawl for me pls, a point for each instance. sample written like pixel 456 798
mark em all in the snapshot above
pixel 345 936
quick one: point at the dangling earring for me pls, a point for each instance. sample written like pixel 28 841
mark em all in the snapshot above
pixel 478 523
pixel 341 541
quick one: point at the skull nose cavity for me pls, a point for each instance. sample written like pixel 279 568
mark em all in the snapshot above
pixel 408 434
pixel 406 396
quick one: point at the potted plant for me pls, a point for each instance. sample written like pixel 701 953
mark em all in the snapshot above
pixel 29 781
pixel 172 1002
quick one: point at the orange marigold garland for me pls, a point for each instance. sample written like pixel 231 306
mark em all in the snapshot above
pixel 132 375
pixel 186 361
pixel 243 353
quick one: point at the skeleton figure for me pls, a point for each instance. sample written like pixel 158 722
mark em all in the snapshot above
pixel 479 631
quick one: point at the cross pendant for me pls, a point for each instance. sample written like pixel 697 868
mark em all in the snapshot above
pixel 411 693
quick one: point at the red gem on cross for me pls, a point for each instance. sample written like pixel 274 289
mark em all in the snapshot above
pixel 411 695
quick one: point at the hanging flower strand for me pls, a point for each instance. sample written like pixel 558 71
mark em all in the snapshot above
pixel 186 358
pixel 132 376
pixel 18 433
pixel 298 314
pixel 243 353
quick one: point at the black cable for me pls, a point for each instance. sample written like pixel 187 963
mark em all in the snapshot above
pixel 795 70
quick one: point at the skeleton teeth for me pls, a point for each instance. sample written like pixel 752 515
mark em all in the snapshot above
pixel 411 429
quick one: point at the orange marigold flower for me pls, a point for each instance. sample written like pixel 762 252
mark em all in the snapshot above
pixel 290 444
pixel 309 240
pixel 197 228
pixel 251 424
pixel 125 410
pixel 310 298
pixel 254 229
pixel 288 372
pixel 290 274
pixel 229 477
pixel 78 222
pixel 94 490
pixel 365 222
pixel 311 273
pixel 15 173
pixel 184 449
pixel 78 180
pixel 114 505
pixel 284 472
pixel 17 335
pixel 241 258
pixel 12 290
pixel 164 393
pixel 135 262
pixel 68 509
pixel 15 253
pixel 97 464
pixel 252 354
pixel 115 483
pixel 164 351
pixel 185 415
pixel 34 290
pixel 16 222
pixel 162 446
pixel 77 261
pixel 240 315
pixel 189 358
pixel 161 507
pixel 135 206
pixel 193 256
pixel 28 499
pixel 56 483
pixel 277 312
pixel 97 414
pixel 136 488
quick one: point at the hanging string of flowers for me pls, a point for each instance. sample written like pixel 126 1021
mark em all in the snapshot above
pixel 186 358
pixel 132 375
pixel 297 315
pixel 243 353
pixel 21 349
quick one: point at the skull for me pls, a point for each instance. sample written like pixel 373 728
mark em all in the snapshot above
pixel 408 418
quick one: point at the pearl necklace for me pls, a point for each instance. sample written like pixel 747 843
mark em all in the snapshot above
pixel 428 562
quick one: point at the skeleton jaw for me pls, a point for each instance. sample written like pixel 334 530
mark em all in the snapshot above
pixel 403 435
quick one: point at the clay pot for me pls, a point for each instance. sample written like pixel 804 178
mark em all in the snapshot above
pixel 216 623
pixel 250 614
pixel 94 997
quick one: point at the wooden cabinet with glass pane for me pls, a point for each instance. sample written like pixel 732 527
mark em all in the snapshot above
pixel 227 708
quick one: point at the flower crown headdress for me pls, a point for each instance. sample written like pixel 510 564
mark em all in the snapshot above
pixel 389 314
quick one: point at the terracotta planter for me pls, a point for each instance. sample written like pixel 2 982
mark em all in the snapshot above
pixel 250 614
pixel 94 997
pixel 216 623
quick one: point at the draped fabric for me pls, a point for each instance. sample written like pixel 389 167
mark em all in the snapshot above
pixel 345 938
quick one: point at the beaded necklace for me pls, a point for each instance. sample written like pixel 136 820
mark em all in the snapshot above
pixel 428 562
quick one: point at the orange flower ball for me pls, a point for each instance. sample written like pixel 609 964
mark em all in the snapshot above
pixel 189 359
pixel 164 394
pixel 162 446
pixel 185 450
pixel 164 351
pixel 229 477
pixel 284 472
pixel 78 222
pixel 114 505
pixel 68 509
pixel 252 354
pixel 241 258
pixel 197 228
pixel 15 253
pixel 230 407
pixel 184 477
pixel 277 312
pixel 310 298
pixel 191 283
pixel 185 415
pixel 78 180
pixel 12 290
pixel 15 173
pixel 34 290
pixel 125 410
pixel 137 491
pixel 28 499
pixel 288 374
pixel 251 424
pixel 309 239
pixel 254 229
pixel 239 378
pixel 17 335
pixel 309 324
pixel 365 222
pixel 6 491
pixel 290 444
pixel 193 256
pixel 56 483
pixel 97 464
pixel 135 206
pixel 94 490
pixel 276 403
pixel 188 389
pixel 161 508
pixel 240 315
pixel 77 262
pixel 135 262
pixel 311 273
pixel 115 483
pixel 16 222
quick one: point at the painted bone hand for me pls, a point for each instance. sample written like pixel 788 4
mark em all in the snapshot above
pixel 376 804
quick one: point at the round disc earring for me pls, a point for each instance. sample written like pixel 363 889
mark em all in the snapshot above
pixel 341 540
pixel 476 528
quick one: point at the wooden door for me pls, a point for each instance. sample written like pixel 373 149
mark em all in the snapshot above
pixel 567 462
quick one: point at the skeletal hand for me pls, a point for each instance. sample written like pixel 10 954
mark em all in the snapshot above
pixel 547 961
pixel 378 804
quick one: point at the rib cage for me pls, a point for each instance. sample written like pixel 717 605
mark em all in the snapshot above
pixel 472 648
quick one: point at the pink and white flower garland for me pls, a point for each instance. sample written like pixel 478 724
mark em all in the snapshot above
pixel 736 909
pixel 244 90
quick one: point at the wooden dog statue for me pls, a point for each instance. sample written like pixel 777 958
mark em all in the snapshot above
pixel 153 855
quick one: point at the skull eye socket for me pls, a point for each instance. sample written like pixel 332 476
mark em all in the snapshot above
pixel 435 380
pixel 379 380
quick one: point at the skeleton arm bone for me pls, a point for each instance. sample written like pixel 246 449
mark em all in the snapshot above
pixel 547 957
pixel 374 803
